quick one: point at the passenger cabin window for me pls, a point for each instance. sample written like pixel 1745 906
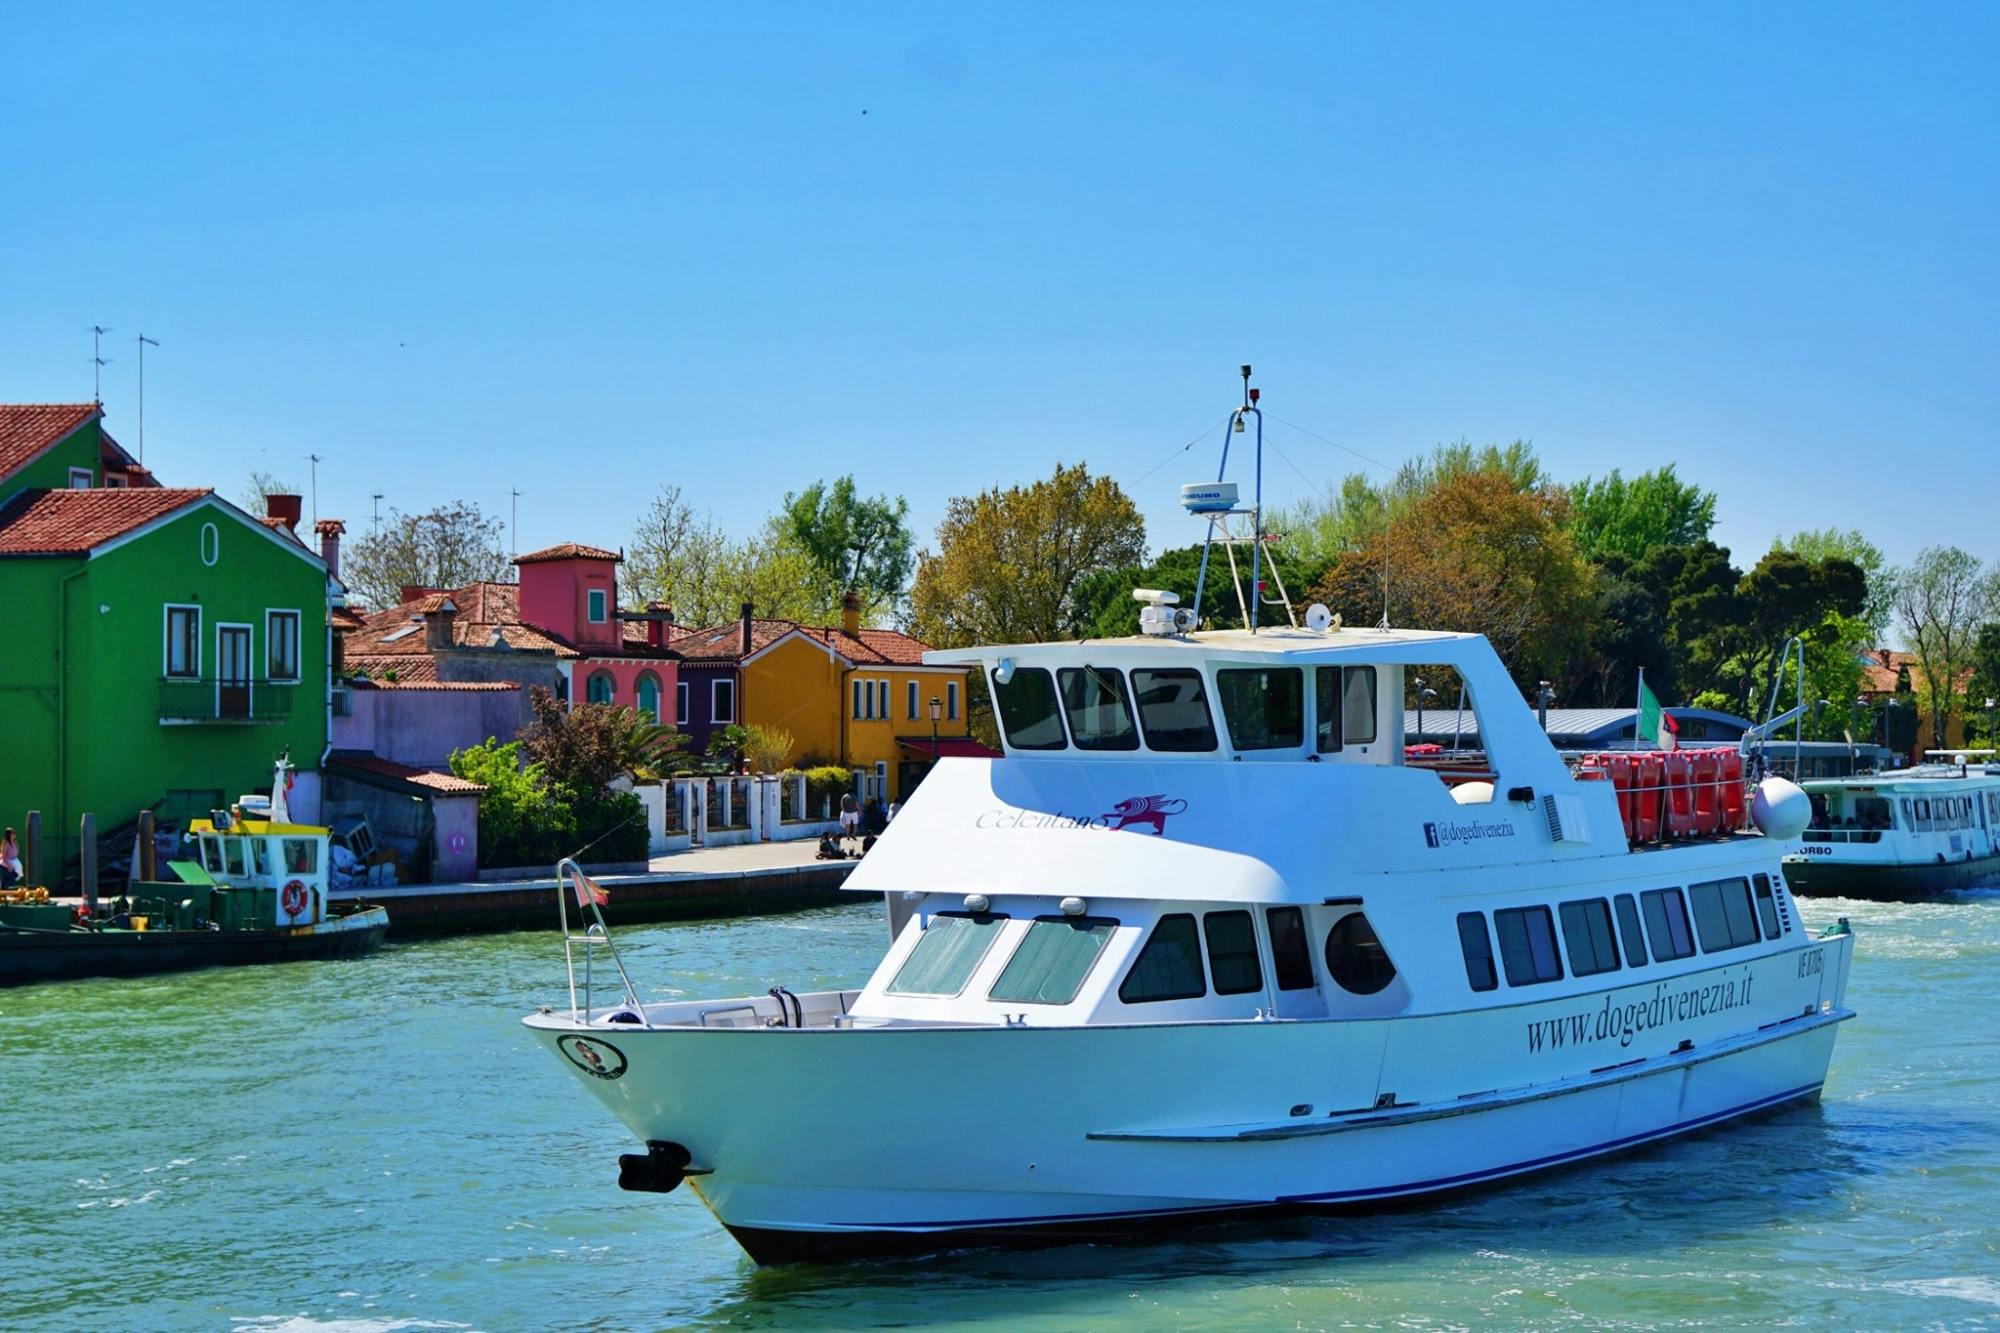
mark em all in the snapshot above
pixel 1628 929
pixel 1587 932
pixel 1667 924
pixel 1264 707
pixel 1169 967
pixel 1291 955
pixel 1232 952
pixel 1053 960
pixel 1355 958
pixel 1528 945
pixel 1173 710
pixel 947 954
pixel 1767 907
pixel 1723 916
pixel 1100 717
pixel 1477 946
pixel 1027 708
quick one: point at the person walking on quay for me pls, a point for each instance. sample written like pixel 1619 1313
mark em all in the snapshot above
pixel 10 860
pixel 850 816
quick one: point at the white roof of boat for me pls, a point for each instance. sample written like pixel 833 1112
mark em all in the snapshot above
pixel 1376 645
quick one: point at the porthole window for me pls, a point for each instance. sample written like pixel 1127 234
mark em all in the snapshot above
pixel 1355 958
pixel 211 544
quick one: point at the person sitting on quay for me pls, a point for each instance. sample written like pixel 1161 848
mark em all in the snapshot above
pixel 10 860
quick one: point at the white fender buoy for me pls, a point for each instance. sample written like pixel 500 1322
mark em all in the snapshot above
pixel 1780 809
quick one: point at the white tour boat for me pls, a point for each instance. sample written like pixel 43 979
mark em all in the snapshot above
pixel 1906 833
pixel 1207 940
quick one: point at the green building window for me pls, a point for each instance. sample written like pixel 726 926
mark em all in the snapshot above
pixel 281 645
pixel 183 652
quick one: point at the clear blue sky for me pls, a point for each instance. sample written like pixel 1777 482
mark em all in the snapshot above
pixel 584 250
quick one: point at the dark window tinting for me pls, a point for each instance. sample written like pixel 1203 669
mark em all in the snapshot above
pixel 1587 932
pixel 1027 708
pixel 1053 960
pixel 1264 707
pixel 1326 710
pixel 1291 956
pixel 1767 906
pixel 1628 928
pixel 1100 718
pixel 1667 924
pixel 1355 958
pixel 1527 945
pixel 951 947
pixel 1173 709
pixel 1478 946
pixel 1723 916
pixel 1169 967
pixel 1232 952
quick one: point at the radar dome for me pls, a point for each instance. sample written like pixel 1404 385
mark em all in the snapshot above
pixel 1780 809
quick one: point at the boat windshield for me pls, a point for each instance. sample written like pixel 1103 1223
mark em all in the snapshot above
pixel 1026 703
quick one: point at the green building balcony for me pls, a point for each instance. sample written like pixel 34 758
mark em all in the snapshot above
pixel 194 701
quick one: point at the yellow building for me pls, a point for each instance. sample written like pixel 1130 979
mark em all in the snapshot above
pixel 859 698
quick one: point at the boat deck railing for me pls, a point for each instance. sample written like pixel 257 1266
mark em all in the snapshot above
pixel 594 936
pixel 1843 834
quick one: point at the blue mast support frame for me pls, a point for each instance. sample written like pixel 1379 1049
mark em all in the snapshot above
pixel 1252 610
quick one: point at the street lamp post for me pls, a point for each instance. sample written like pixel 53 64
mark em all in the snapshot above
pixel 1991 705
pixel 937 711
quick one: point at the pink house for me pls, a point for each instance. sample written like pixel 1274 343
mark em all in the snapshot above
pixel 570 593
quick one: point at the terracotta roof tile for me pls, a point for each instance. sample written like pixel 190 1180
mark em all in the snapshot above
pixel 483 608
pixel 568 551
pixel 51 522
pixel 442 783
pixel 27 429
pixel 404 681
pixel 330 526
pixel 409 667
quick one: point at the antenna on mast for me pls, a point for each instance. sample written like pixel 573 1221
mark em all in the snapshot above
pixel 314 460
pixel 514 520
pixel 144 343
pixel 97 361
pixel 375 522
pixel 1217 502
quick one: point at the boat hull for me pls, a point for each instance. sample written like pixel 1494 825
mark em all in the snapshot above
pixel 1824 877
pixel 27 957
pixel 831 1143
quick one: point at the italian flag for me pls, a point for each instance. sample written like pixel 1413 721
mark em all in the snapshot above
pixel 1654 723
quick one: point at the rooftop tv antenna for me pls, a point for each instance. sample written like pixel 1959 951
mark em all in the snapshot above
pixel 314 460
pixel 375 523
pixel 1217 502
pixel 514 520
pixel 144 343
pixel 98 363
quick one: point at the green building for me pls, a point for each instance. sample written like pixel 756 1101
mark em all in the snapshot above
pixel 158 648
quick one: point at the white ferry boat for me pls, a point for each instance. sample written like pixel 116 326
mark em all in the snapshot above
pixel 1205 941
pixel 1907 833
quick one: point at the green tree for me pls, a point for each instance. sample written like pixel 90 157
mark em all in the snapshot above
pixel 851 541
pixel 446 547
pixel 1613 516
pixel 681 557
pixel 1943 599
pixel 1105 608
pixel 1822 544
pixel 1009 562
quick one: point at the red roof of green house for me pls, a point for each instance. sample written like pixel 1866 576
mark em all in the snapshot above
pixel 27 430
pixel 568 551
pixel 46 522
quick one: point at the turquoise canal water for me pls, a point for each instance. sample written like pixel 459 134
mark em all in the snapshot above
pixel 376 1145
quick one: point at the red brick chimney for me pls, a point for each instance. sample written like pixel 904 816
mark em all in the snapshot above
pixel 659 618
pixel 285 507
pixel 329 530
pixel 438 611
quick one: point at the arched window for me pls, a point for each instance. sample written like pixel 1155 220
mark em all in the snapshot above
pixel 649 695
pixel 600 687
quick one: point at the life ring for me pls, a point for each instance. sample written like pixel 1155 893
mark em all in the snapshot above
pixel 294 898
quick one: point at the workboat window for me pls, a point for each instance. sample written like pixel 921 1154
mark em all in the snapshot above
pixel 1232 952
pixel 1291 956
pixel 1587 932
pixel 1628 927
pixel 1478 947
pixel 1767 906
pixel 1355 958
pixel 1667 924
pixel 1528 945
pixel 301 856
pixel 259 862
pixel 211 856
pixel 1173 709
pixel 945 957
pixel 234 858
pixel 1343 707
pixel 1053 959
pixel 1100 718
pixel 1169 967
pixel 1263 706
pixel 1027 708
pixel 1723 916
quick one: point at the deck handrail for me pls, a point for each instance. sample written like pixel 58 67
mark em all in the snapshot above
pixel 591 937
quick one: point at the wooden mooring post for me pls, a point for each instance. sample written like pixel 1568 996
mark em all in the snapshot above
pixel 87 859
pixel 31 849
pixel 145 864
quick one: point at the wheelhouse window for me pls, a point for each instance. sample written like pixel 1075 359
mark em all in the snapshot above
pixel 1355 958
pixel 1173 711
pixel 1100 717
pixel 183 649
pixel 1232 952
pixel 1723 915
pixel 1169 967
pixel 1053 959
pixel 1264 707
pixel 1527 945
pixel 1343 707
pixel 1587 931
pixel 947 954
pixel 1027 708
pixel 1667 924
pixel 281 645
pixel 1291 954
pixel 722 701
pixel 1767 907
pixel 1629 931
pixel 1477 946
pixel 301 856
